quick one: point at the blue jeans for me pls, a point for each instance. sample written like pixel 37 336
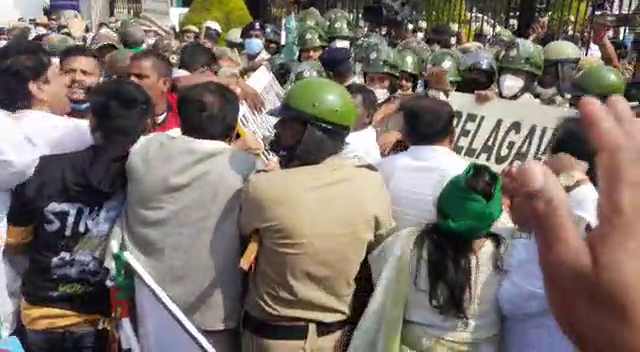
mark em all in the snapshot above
pixel 71 341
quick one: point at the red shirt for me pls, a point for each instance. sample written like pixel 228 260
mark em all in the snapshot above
pixel 171 119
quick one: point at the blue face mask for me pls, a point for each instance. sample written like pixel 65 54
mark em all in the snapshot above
pixel 253 46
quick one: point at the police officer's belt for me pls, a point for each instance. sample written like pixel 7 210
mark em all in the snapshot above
pixel 272 331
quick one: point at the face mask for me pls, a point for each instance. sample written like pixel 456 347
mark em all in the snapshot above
pixel 546 93
pixel 381 94
pixel 253 46
pixel 510 85
pixel 420 35
pixel 339 43
pixel 3 43
pixel 453 41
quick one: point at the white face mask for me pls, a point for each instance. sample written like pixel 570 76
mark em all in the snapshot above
pixel 3 43
pixel 339 43
pixel 381 94
pixel 546 93
pixel 453 41
pixel 510 85
pixel 420 35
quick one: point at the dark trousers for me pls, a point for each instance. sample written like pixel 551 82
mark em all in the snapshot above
pixel 67 341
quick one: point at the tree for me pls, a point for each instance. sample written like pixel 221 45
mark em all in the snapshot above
pixel 567 14
pixel 228 13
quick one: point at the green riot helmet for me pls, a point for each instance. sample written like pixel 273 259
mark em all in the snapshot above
pixel 311 18
pixel 339 28
pixel 335 14
pixel 409 62
pixel 321 101
pixel 561 59
pixel 384 60
pixel 364 47
pixel 561 51
pixel 308 69
pixel 418 47
pixel 448 60
pixel 311 37
pixel 601 81
pixel 522 55
pixel 502 39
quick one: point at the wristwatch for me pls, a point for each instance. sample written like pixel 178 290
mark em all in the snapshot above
pixel 572 179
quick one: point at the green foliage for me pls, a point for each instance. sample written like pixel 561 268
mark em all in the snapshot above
pixel 564 13
pixel 443 11
pixel 228 13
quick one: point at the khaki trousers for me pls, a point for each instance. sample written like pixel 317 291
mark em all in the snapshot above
pixel 335 342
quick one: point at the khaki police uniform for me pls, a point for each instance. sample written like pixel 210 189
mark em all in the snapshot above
pixel 315 226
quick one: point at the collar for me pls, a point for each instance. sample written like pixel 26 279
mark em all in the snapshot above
pixel 426 151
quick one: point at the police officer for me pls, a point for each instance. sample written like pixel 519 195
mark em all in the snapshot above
pixel 381 73
pixel 561 59
pixel 189 33
pixel 310 226
pixel 479 73
pixel 254 54
pixel 272 39
pixel 443 73
pixel 311 41
pixel 338 64
pixel 519 67
pixel 409 65
pixel 339 32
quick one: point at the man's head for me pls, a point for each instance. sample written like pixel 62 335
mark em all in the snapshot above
pixel 571 138
pixel 153 72
pixel 132 36
pixel 18 33
pixel 427 121
pixel 189 33
pixel 121 112
pixel 82 68
pixel 211 33
pixel 366 103
pixel 197 58
pixel 337 62
pixel 208 111
pixel 30 80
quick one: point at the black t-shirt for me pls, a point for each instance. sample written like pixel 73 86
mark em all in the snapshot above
pixel 72 201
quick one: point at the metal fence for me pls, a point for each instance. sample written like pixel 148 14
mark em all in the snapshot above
pixel 125 7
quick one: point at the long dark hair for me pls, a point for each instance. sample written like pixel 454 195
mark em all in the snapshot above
pixel 449 257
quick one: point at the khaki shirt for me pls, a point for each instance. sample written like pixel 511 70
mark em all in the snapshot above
pixel 316 225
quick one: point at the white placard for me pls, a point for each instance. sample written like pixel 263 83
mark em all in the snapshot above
pixel 502 131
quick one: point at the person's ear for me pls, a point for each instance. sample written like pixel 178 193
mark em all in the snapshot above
pixel 166 84
pixel 35 88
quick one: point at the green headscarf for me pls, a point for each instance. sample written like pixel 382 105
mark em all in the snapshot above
pixel 464 213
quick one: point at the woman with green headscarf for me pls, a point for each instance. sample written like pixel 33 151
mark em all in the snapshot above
pixel 436 287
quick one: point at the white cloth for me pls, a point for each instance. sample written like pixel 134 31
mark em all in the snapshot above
pixel 482 310
pixel 18 159
pixel 24 137
pixel 529 325
pixel 54 134
pixel 362 146
pixel 415 179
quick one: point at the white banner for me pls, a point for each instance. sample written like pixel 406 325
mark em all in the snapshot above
pixel 502 131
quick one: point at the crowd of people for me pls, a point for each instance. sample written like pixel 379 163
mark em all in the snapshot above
pixel 367 233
